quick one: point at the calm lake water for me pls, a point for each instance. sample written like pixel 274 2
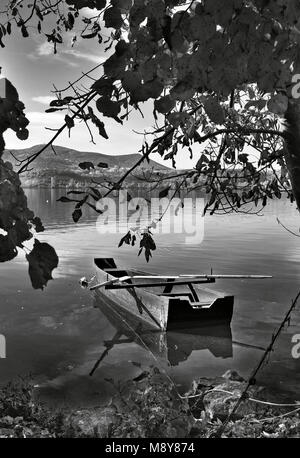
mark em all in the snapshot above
pixel 57 335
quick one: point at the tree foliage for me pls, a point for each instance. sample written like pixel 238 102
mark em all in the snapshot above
pixel 221 77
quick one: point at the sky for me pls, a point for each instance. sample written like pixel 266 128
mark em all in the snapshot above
pixel 29 63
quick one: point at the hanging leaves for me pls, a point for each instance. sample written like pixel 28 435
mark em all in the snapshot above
pixel 126 239
pixel 99 124
pixel 69 122
pixel 65 199
pixel 103 165
pixel 148 245
pixel 42 261
pixel 86 165
pixel 164 192
pixel 76 215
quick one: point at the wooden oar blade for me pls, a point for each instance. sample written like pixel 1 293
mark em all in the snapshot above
pixel 110 282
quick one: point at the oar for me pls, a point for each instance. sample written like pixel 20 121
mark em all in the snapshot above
pixel 259 277
pixel 109 282
pixel 109 345
pixel 176 277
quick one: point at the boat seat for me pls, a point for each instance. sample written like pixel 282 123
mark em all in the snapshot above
pixel 179 294
pixel 111 269
pixel 117 272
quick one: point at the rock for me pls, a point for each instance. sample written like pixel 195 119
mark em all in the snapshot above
pixel 219 401
pixel 92 423
pixel 6 432
pixel 233 375
pixel 6 421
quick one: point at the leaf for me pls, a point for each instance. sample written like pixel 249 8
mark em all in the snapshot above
pixel 23 134
pixel 126 239
pixel 86 165
pixel 107 107
pixel 82 201
pixel 90 35
pixel 177 118
pixel 56 103
pixel 76 192
pixel 42 260
pixel 103 165
pixel 164 192
pixel 96 121
pixel 103 86
pixel 114 66
pixel 76 215
pixel 112 18
pixel 20 232
pixel 52 110
pixel 243 158
pixel 69 122
pixel 24 31
pixel 8 250
pixel 278 104
pixel 64 199
pixel 203 163
pixel 214 110
pixel 164 104
pixel 96 192
pixel 131 80
pixel 71 20
pixel 36 221
pixel 100 4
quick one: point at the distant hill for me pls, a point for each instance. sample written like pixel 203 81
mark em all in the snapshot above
pixel 67 158
pixel 62 169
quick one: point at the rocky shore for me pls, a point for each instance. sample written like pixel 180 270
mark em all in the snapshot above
pixel 150 406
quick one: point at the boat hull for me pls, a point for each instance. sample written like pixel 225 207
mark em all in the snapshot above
pixel 165 312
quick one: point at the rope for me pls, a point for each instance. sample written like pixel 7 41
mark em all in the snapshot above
pixel 278 416
pixel 275 404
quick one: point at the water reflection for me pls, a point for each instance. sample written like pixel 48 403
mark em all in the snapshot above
pixel 173 347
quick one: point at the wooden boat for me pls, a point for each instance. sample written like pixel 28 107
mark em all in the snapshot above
pixel 165 302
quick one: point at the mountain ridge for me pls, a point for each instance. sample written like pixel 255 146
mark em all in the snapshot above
pixel 70 157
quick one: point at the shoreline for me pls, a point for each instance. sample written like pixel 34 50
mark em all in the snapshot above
pixel 152 395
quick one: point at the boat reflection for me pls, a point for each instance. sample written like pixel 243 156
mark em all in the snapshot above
pixel 174 347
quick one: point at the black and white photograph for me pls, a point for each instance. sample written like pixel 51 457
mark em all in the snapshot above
pixel 149 222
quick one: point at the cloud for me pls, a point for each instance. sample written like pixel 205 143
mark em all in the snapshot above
pixel 45 119
pixel 82 55
pixel 44 99
pixel 46 49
